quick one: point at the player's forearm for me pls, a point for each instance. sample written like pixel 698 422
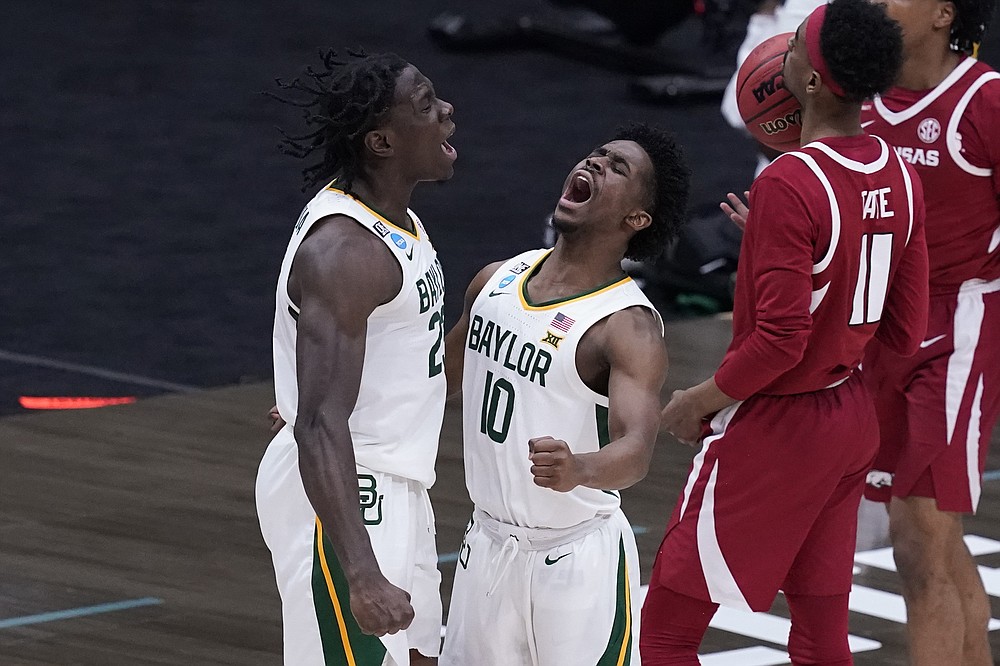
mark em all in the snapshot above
pixel 764 356
pixel 709 397
pixel 619 464
pixel 330 479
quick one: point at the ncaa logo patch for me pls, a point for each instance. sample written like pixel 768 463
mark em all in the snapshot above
pixel 398 240
pixel 929 130
pixel 506 281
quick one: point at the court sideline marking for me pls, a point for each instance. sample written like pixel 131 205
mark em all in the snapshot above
pixel 93 371
pixel 82 611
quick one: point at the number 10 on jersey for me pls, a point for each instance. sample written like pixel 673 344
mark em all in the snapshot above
pixel 498 408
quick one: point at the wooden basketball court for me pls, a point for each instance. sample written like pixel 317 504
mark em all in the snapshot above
pixel 128 534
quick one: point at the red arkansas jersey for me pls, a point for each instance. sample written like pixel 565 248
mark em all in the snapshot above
pixel 951 135
pixel 833 253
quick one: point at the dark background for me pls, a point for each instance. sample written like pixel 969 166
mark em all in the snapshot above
pixel 145 208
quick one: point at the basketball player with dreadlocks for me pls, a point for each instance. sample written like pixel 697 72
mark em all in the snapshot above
pixel 358 372
pixel 937 408
pixel 833 257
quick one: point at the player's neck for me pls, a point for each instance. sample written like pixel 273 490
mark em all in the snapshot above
pixel 577 267
pixel 388 199
pixel 925 67
pixel 835 120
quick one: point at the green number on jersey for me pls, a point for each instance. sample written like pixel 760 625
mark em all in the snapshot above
pixel 435 362
pixel 495 391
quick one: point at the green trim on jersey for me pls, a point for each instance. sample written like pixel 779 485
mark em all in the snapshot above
pixel 619 650
pixel 561 301
pixel 343 642
pixel 603 432
pixel 415 233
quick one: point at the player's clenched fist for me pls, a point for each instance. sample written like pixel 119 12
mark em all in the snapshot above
pixel 379 606
pixel 553 465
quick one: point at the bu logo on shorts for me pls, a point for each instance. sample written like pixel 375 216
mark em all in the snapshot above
pixel 369 500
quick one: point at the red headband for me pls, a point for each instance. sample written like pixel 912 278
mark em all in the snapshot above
pixel 813 28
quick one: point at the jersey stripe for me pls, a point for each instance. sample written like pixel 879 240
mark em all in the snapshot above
pixel 522 289
pixel 953 138
pixel 343 642
pixel 411 234
pixel 834 211
pixel 619 650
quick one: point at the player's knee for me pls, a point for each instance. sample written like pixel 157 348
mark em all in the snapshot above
pixel 921 565
pixel 672 628
pixel 834 653
pixel 819 630
pixel 977 615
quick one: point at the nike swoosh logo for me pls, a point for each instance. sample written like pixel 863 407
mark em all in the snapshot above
pixel 550 562
pixel 927 343
pixel 498 293
pixel 409 255
pixel 866 124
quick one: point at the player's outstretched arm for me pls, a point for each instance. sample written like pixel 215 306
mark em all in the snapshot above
pixel 634 350
pixel 341 274
pixel 454 342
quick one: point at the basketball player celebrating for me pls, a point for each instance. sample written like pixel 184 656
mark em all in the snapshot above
pixel 358 372
pixel 563 365
pixel 833 254
pixel 937 409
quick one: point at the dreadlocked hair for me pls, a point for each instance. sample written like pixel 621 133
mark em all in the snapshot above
pixel 667 191
pixel 341 103
pixel 972 18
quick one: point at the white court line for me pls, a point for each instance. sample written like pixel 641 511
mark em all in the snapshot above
pixel 124 377
pixel 881 558
pixel 757 655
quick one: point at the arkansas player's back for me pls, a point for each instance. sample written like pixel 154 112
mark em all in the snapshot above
pixel 876 203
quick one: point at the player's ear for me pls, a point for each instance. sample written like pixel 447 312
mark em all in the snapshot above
pixel 638 220
pixel 377 141
pixel 812 85
pixel 945 15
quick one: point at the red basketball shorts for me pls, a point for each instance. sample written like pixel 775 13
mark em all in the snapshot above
pixel 771 501
pixel 937 409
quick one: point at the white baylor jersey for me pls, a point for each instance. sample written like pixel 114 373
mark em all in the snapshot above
pixel 520 382
pixel 396 422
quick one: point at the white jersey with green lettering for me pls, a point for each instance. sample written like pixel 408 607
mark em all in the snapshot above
pixel 521 381
pixel 396 422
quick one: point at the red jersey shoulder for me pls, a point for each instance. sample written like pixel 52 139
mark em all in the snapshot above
pixel 984 106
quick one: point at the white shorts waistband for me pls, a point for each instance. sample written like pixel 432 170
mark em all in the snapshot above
pixel 536 538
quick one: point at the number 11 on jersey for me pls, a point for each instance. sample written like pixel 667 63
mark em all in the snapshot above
pixel 873 279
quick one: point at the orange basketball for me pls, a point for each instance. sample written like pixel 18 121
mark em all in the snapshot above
pixel 771 113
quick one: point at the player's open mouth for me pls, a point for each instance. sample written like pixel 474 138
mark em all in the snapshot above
pixel 579 189
pixel 446 147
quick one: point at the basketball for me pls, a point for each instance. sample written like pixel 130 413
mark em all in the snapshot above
pixel 771 113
